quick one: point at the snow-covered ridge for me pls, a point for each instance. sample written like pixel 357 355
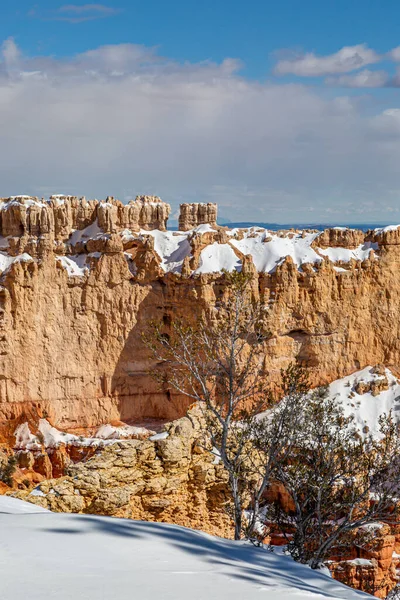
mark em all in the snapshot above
pixel 386 229
pixel 215 249
pixel 268 249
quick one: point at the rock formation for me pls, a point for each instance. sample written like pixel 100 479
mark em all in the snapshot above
pixel 372 569
pixel 168 477
pixel 193 215
pixel 60 216
pixel 81 279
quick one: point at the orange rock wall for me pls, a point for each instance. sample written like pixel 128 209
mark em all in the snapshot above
pixel 71 346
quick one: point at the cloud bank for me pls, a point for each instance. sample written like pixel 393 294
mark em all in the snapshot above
pixel 123 120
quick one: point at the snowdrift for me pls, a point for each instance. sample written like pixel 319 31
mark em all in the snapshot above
pixel 80 557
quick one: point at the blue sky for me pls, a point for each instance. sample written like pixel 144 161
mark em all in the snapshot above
pixel 279 111
pixel 197 30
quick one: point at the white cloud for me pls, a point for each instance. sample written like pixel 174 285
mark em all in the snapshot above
pixel 395 80
pixel 348 59
pixel 121 120
pixel 394 54
pixel 76 13
pixel 10 52
pixel 363 79
pixel 86 8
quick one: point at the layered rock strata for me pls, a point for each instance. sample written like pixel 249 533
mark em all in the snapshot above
pixel 60 216
pixel 79 283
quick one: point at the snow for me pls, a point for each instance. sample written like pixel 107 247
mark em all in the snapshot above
pixel 367 408
pixel 24 439
pixel 171 248
pixel 217 455
pixel 385 229
pixel 92 231
pixel 267 249
pixel 205 228
pixel 13 506
pixel 159 436
pixel 37 492
pixel 217 257
pixel 74 265
pixel 362 252
pixel 25 200
pixel 6 261
pixel 110 432
pixel 127 235
pixel 77 265
pixel 68 556
pixel 360 562
pixel 371 527
pixel 25 257
pixel 51 437
pixel 267 255
pixel 59 199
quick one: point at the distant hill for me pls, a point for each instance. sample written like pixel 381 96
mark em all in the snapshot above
pixel 278 226
pixel 173 225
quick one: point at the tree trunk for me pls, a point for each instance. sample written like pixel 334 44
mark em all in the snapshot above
pixel 237 508
pixel 254 516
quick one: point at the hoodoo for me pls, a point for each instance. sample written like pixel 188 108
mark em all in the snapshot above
pixel 193 215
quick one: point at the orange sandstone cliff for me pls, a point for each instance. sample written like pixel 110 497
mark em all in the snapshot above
pixel 80 280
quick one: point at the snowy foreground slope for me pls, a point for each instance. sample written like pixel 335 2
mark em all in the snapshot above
pixel 46 555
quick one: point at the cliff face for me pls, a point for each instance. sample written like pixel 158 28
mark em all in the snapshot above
pixel 80 280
